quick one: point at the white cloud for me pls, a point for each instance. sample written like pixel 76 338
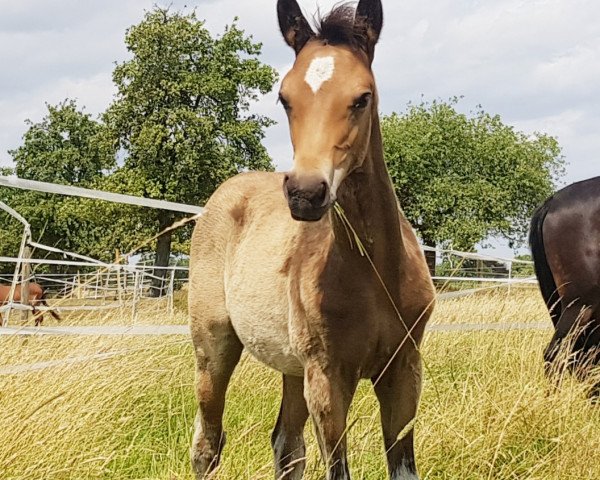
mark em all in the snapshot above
pixel 577 69
pixel 573 128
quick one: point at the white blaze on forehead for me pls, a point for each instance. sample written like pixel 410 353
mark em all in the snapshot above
pixel 320 70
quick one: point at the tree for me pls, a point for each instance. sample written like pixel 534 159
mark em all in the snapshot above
pixel 69 147
pixel 463 178
pixel 523 269
pixel 66 147
pixel 10 229
pixel 180 111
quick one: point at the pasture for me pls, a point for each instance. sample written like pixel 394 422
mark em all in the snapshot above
pixel 487 411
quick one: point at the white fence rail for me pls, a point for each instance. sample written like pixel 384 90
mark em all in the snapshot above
pixel 15 182
pixel 128 283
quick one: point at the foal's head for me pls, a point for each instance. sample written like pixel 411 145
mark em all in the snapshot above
pixel 330 99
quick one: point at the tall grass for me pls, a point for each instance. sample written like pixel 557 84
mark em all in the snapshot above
pixel 518 305
pixel 487 411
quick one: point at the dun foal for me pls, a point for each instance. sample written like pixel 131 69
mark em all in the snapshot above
pixel 295 290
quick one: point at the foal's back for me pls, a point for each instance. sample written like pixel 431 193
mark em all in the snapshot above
pixel 36 292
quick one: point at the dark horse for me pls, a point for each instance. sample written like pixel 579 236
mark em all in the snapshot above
pixel 37 297
pixel 565 243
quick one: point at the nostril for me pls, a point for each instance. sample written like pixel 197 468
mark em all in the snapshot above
pixel 324 188
pixel 286 187
pixel 321 194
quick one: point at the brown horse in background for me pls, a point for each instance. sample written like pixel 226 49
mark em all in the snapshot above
pixel 36 298
pixel 324 296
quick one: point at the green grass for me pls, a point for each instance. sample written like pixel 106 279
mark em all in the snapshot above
pixel 487 412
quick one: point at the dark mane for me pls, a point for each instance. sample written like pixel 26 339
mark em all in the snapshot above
pixel 342 27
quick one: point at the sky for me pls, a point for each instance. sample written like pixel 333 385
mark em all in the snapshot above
pixel 536 63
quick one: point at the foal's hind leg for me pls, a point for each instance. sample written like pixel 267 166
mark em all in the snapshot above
pixel 218 351
pixel 288 437
pixel 398 390
pixel 39 316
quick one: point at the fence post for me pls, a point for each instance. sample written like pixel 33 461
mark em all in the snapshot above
pixel 118 263
pixel 25 281
pixel 106 287
pixel 96 285
pixel 171 293
pixel 13 286
pixel 136 284
pixel 79 286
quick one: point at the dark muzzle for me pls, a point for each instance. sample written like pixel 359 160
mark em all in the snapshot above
pixel 308 196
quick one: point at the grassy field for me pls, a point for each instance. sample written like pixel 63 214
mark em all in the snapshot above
pixel 487 411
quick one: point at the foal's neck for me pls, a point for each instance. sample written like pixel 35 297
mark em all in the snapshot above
pixel 369 202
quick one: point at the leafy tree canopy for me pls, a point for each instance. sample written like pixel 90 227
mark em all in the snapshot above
pixel 461 178
pixel 67 147
pixel 179 126
pixel 181 111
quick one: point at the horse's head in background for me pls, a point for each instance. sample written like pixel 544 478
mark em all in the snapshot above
pixel 330 99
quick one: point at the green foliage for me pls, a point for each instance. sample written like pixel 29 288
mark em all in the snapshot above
pixel 179 110
pixel 10 229
pixel 463 178
pixel 178 124
pixel 523 269
pixel 66 147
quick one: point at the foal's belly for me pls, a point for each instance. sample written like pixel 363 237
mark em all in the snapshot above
pixel 265 335
pixel 259 315
pixel 268 344
pixel 256 285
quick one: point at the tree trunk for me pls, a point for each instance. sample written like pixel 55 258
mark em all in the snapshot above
pixel 430 256
pixel 163 254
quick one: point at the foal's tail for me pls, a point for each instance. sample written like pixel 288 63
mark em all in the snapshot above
pixel 540 262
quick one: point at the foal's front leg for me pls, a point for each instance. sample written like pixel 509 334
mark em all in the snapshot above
pixel 398 389
pixel 218 351
pixel 328 396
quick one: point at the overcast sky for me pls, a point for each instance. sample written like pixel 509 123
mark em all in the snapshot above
pixel 534 62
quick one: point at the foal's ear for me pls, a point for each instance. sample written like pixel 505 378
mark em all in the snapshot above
pixel 371 12
pixel 294 27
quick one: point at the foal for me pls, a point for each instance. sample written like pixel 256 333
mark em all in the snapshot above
pixel 36 298
pixel 276 271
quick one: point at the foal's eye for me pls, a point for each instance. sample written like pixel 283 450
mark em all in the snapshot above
pixel 361 102
pixel 284 102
